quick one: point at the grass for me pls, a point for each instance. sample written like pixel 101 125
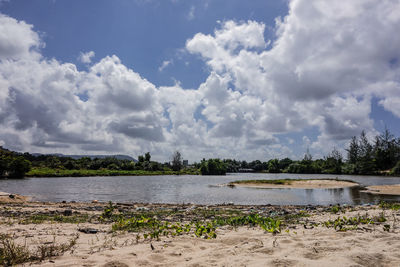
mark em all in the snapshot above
pixel 49 172
pixel 391 206
pixel 12 253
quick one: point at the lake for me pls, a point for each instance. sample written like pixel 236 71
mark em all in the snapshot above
pixel 193 189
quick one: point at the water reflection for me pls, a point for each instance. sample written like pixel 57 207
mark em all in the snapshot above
pixel 193 189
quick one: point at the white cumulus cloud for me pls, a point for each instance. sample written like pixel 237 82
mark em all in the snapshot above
pixel 86 57
pixel 329 59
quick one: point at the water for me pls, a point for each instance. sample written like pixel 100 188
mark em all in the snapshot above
pixel 192 189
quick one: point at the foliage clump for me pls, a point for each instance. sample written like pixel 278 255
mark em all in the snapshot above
pixel 12 164
pixel 212 167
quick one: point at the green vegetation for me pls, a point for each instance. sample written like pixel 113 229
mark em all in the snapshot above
pixel 381 157
pixel 396 169
pixel 336 209
pixel 17 165
pixel 212 167
pixel 391 206
pixel 176 161
pixel 12 164
pixel 48 172
pixel 199 221
pixel 343 224
pixel 155 228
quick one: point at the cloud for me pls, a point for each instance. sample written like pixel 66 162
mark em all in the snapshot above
pixel 327 62
pixel 86 57
pixel 190 15
pixel 17 39
pixel 326 57
pixel 165 64
pixel 392 104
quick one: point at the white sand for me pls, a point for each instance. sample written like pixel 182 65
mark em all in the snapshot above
pixel 306 184
pixel 320 246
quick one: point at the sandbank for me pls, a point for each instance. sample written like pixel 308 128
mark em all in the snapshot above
pixel 302 184
pixel 12 198
pixel 383 189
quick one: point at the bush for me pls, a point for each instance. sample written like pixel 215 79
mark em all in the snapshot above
pixel 212 167
pixel 396 169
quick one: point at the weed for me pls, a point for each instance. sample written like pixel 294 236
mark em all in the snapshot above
pixel 12 253
pixel 335 209
pixel 392 206
pixel 344 223
pixel 154 228
pixel 108 211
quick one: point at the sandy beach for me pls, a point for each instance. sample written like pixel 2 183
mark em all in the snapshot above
pixel 305 239
pixel 303 184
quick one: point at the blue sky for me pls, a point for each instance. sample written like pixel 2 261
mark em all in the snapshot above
pixel 213 78
pixel 141 33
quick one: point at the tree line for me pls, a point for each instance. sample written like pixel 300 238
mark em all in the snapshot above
pixel 381 156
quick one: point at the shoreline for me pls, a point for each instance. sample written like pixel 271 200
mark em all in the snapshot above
pixel 391 190
pixel 308 235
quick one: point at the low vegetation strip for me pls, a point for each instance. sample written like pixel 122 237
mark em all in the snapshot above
pixel 295 183
pixel 49 172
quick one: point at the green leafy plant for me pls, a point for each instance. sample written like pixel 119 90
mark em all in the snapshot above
pixel 344 223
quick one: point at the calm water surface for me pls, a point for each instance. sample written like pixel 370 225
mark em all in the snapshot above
pixel 192 189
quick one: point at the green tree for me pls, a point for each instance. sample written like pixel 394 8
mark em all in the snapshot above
pixel 212 167
pixel 365 161
pixel 18 167
pixel 4 161
pixel 176 161
pixel 333 162
pixel 353 151
pixel 385 149
pixel 140 158
pixel 284 163
pixel 147 157
pixel 273 166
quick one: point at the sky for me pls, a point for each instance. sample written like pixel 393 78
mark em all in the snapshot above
pixel 210 78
